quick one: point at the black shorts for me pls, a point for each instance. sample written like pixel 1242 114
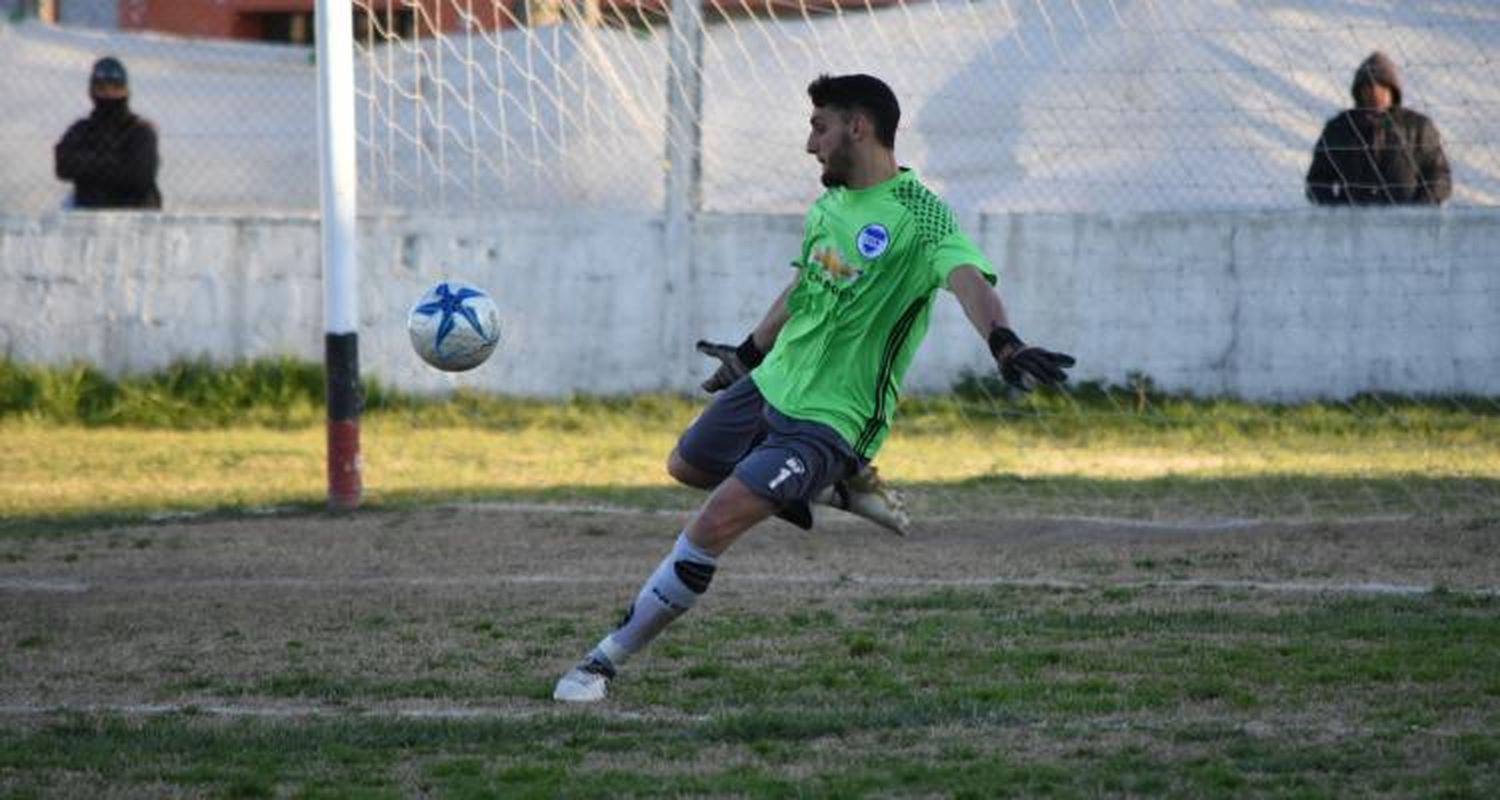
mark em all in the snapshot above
pixel 780 458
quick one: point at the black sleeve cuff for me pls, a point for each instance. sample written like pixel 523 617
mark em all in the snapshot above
pixel 1003 342
pixel 749 354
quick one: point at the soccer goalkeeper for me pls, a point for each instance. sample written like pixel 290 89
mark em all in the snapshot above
pixel 877 247
pixel 862 493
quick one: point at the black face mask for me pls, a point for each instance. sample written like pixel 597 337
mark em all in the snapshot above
pixel 111 107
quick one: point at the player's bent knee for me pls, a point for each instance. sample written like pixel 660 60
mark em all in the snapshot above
pixel 689 475
pixel 680 470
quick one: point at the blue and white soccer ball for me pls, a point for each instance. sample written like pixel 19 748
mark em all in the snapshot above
pixel 455 326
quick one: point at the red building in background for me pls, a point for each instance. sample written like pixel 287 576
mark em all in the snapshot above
pixel 292 20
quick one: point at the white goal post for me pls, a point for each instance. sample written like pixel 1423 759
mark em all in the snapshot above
pixel 338 203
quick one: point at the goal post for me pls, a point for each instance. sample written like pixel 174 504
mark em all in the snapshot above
pixel 337 203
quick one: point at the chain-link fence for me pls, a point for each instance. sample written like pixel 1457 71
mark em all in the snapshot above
pixel 1009 105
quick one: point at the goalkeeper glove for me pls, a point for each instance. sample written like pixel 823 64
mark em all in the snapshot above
pixel 1022 365
pixel 735 362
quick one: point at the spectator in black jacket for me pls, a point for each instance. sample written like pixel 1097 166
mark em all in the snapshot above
pixel 1378 153
pixel 110 155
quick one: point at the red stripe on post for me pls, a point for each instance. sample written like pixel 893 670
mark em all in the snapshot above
pixel 344 478
pixel 341 367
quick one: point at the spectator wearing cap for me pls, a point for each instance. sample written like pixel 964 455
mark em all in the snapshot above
pixel 1379 152
pixel 110 155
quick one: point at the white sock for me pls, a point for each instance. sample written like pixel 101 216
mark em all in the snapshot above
pixel 670 591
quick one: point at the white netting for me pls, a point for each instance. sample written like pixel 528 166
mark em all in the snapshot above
pixel 1020 106
pixel 1008 106
pixel 556 115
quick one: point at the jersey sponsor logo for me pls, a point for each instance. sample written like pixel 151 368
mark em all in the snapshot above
pixel 836 270
pixel 873 239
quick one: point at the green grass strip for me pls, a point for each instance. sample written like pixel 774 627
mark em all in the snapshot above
pixel 200 438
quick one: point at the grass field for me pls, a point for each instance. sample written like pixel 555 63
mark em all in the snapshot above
pixel 196 438
pixel 1104 594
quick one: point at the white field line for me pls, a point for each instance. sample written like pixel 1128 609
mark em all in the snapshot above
pixel 56 585
pixel 72 585
pixel 840 518
pixel 285 711
pixel 829 515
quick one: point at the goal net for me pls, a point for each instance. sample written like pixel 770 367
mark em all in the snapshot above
pixel 1009 105
pixel 1137 167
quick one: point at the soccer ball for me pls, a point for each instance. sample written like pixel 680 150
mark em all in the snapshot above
pixel 454 326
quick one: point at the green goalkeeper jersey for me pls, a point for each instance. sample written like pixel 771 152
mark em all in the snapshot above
pixel 871 264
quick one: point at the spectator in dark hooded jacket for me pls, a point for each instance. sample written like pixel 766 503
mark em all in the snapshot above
pixel 110 155
pixel 1379 152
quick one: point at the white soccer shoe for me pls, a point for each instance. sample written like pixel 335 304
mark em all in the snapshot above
pixel 867 496
pixel 586 683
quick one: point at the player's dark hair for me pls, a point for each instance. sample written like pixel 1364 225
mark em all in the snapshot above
pixel 865 93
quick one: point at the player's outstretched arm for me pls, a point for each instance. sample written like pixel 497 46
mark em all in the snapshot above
pixel 1020 364
pixel 737 361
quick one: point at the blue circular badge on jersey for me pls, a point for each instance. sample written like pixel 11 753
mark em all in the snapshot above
pixel 872 240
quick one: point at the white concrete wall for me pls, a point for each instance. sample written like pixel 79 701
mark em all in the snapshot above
pixel 1277 305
